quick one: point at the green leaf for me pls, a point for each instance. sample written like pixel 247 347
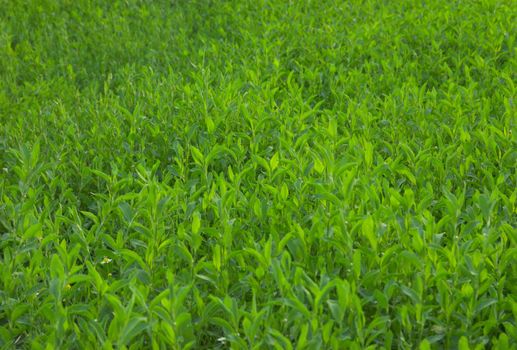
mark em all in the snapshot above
pixel 356 262
pixel 32 231
pixel 217 257
pixel 127 212
pixel 284 192
pixel 57 269
pixel 184 327
pixel 99 283
pixel 368 229
pixel 407 173
pixel 425 345
pixel 463 343
pixel 273 162
pixel 135 326
pixel 131 256
pixel 319 166
pixel 210 125
pixel 285 343
pixel 368 154
pixel 196 222
pixel 197 155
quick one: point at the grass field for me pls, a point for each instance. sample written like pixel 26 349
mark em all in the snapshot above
pixel 258 174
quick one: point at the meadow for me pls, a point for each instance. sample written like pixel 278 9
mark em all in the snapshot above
pixel 269 174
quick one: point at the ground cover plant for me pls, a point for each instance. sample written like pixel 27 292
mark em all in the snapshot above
pixel 258 174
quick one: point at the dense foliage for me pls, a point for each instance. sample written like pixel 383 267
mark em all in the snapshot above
pixel 258 174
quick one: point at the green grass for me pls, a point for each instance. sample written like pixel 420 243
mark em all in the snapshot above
pixel 258 174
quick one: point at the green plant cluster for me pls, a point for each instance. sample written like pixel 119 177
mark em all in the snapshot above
pixel 258 174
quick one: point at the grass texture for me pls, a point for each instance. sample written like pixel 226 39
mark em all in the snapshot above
pixel 258 174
